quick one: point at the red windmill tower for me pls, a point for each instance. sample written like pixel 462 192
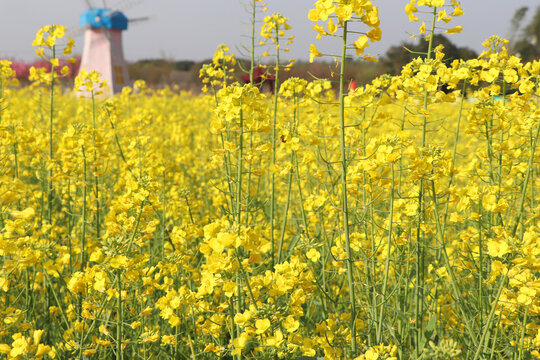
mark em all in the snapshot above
pixel 103 51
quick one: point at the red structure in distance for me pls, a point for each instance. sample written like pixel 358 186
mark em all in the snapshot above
pixel 352 85
pixel 261 79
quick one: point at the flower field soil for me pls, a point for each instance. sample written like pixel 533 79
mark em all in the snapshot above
pixel 391 221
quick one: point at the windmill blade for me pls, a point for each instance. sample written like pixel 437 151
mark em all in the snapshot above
pixel 74 31
pixel 90 7
pixel 139 19
pixel 126 4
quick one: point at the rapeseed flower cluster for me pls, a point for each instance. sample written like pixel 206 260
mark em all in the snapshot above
pixel 219 72
pixel 345 12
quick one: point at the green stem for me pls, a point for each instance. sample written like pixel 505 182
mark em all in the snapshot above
pixel 70 226
pixel 344 205
pixel 402 127
pixel 428 57
pixel 98 315
pixel 1 97
pixel 419 275
pixel 286 212
pixel 164 215
pixel 51 149
pixel 480 266
pixel 273 142
pixel 136 228
pixel 526 181
pixel 83 225
pixel 248 181
pixel 369 233
pixel 454 150
pixel 239 165
pixel 119 319
pixel 301 197
pixel 96 178
pixel 227 163
pixel 60 307
pixel 420 246
pixel 453 281
pixel 522 338
pixel 387 261
pixel 245 277
pixel 297 168
pixel 494 340
pixel 252 54
pixel 16 158
pixel 487 326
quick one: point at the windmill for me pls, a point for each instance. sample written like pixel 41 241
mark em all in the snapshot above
pixel 103 51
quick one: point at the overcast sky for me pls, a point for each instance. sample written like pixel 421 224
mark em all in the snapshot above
pixel 191 29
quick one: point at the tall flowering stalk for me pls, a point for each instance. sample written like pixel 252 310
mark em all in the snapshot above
pixel 240 109
pixel 254 6
pixel 429 82
pixel 291 89
pixel 216 75
pixel 273 29
pixel 46 38
pixel 89 83
pixel 343 12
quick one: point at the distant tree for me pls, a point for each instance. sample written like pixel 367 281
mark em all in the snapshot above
pixel 398 56
pixel 183 65
pixel 516 22
pixel 532 31
pixel 526 45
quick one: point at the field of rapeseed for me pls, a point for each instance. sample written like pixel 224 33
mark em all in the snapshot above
pixel 390 221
